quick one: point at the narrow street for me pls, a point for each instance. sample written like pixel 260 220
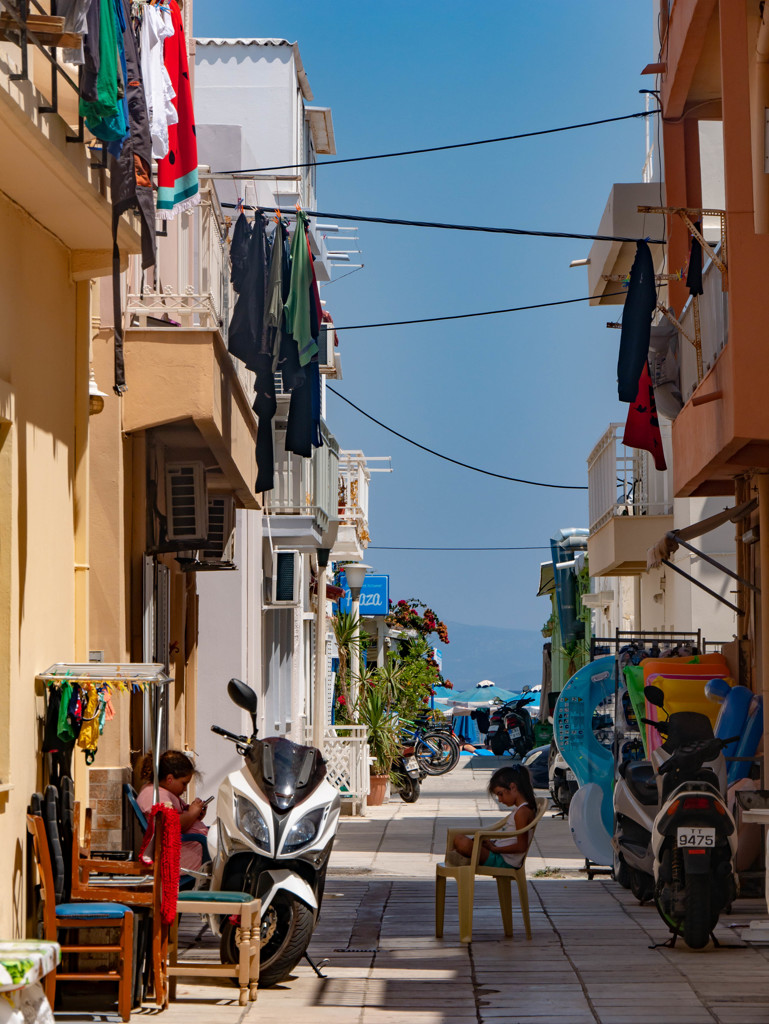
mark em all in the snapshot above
pixel 589 959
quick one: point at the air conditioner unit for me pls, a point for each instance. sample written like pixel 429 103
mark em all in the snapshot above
pixel 220 543
pixel 285 578
pixel 186 502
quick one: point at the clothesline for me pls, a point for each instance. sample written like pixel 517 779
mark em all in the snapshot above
pixel 527 232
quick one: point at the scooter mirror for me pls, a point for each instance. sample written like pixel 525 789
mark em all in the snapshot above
pixel 242 695
pixel 655 696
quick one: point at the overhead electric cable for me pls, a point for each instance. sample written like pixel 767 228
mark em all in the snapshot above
pixel 485 312
pixel 438 149
pixel 456 462
pixel 527 232
pixel 380 547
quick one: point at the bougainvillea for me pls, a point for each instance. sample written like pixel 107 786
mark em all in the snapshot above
pixel 416 615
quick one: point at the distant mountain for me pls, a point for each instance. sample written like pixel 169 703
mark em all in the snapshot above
pixel 508 657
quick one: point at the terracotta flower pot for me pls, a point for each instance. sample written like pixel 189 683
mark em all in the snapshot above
pixel 377 789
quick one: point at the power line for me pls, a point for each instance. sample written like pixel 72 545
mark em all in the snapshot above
pixel 485 312
pixel 438 149
pixel 527 232
pixel 380 547
pixel 446 458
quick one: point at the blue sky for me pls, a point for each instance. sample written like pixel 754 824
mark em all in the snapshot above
pixel 525 394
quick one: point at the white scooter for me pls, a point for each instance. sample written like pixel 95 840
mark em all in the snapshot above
pixel 276 820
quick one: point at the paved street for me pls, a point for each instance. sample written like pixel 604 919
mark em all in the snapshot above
pixel 589 959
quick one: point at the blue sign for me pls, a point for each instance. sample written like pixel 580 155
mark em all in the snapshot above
pixel 438 658
pixel 374 595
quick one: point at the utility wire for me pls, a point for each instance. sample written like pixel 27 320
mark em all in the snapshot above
pixel 446 458
pixel 380 547
pixel 485 312
pixel 438 149
pixel 528 232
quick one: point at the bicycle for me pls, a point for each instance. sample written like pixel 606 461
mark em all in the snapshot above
pixel 434 747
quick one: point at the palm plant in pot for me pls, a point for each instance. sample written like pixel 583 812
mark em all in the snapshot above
pixel 373 710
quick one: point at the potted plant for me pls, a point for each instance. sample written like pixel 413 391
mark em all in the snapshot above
pixel 372 709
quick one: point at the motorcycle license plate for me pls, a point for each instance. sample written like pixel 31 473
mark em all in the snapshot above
pixel 515 734
pixel 570 776
pixel 697 838
pixel 412 764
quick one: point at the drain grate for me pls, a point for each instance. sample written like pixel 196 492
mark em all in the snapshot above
pixel 358 949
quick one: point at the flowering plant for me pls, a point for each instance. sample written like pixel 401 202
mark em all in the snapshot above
pixel 415 615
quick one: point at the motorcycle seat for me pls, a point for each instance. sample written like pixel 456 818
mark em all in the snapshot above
pixel 642 782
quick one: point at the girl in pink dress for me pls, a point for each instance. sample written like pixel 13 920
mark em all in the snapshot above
pixel 175 774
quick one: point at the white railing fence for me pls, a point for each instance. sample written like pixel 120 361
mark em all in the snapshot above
pixel 190 286
pixel 624 481
pixel 346 750
pixel 305 486
pixel 354 479
pixel 714 327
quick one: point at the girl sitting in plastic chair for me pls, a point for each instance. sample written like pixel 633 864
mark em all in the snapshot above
pixel 511 787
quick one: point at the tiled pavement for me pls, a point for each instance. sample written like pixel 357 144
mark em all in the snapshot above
pixel 589 961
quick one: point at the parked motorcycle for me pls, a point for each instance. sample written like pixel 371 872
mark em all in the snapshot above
pixel 511 729
pixel 276 820
pixel 562 781
pixel 407 776
pixel 637 797
pixel 694 839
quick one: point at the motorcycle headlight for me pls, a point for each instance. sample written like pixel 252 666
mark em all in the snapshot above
pixel 303 831
pixel 251 821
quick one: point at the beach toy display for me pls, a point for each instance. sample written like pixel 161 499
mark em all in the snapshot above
pixel 682 680
pixel 591 813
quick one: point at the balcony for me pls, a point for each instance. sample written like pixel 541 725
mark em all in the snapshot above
pixel 354 479
pixel 610 262
pixel 302 505
pixel 181 378
pixel 714 327
pixel 631 504
pixel 49 164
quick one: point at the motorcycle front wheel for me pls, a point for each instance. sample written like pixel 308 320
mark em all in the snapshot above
pixel 286 930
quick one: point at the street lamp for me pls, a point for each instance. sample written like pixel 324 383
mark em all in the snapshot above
pixel 355 573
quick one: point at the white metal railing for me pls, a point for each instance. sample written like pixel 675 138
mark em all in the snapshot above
pixel 714 327
pixel 305 486
pixel 346 750
pixel 354 479
pixel 190 286
pixel 624 481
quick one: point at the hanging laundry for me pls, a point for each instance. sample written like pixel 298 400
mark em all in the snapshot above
pixel 88 738
pixel 642 429
pixel 104 114
pixel 640 304
pixel 91 59
pixel 247 336
pixel 265 406
pixel 178 188
pixel 299 423
pixel 694 273
pixel 131 184
pixel 75 14
pixel 156 27
pixel 297 309
pixel 278 283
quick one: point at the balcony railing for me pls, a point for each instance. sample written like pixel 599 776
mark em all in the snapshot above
pixel 354 479
pixel 305 487
pixel 624 482
pixel 190 286
pixel 714 327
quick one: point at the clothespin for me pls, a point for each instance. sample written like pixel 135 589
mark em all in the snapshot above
pixel 277 216
pixel 240 206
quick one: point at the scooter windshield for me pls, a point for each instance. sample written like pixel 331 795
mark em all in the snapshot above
pixel 286 772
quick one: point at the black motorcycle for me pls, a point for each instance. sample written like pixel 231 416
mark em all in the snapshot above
pixel 511 729
pixel 406 776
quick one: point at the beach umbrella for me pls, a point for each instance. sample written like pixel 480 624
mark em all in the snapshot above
pixel 484 693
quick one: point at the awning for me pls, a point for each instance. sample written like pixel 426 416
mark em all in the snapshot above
pixel 670 543
pixel 546 579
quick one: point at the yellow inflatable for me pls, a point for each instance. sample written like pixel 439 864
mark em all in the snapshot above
pixel 682 680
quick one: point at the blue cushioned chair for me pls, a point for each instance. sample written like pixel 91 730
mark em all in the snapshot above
pixel 186 881
pixel 71 916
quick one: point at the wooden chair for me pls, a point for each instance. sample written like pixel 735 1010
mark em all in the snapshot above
pixel 71 916
pixel 465 879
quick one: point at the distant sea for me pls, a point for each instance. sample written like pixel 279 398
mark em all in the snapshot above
pixel 508 657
